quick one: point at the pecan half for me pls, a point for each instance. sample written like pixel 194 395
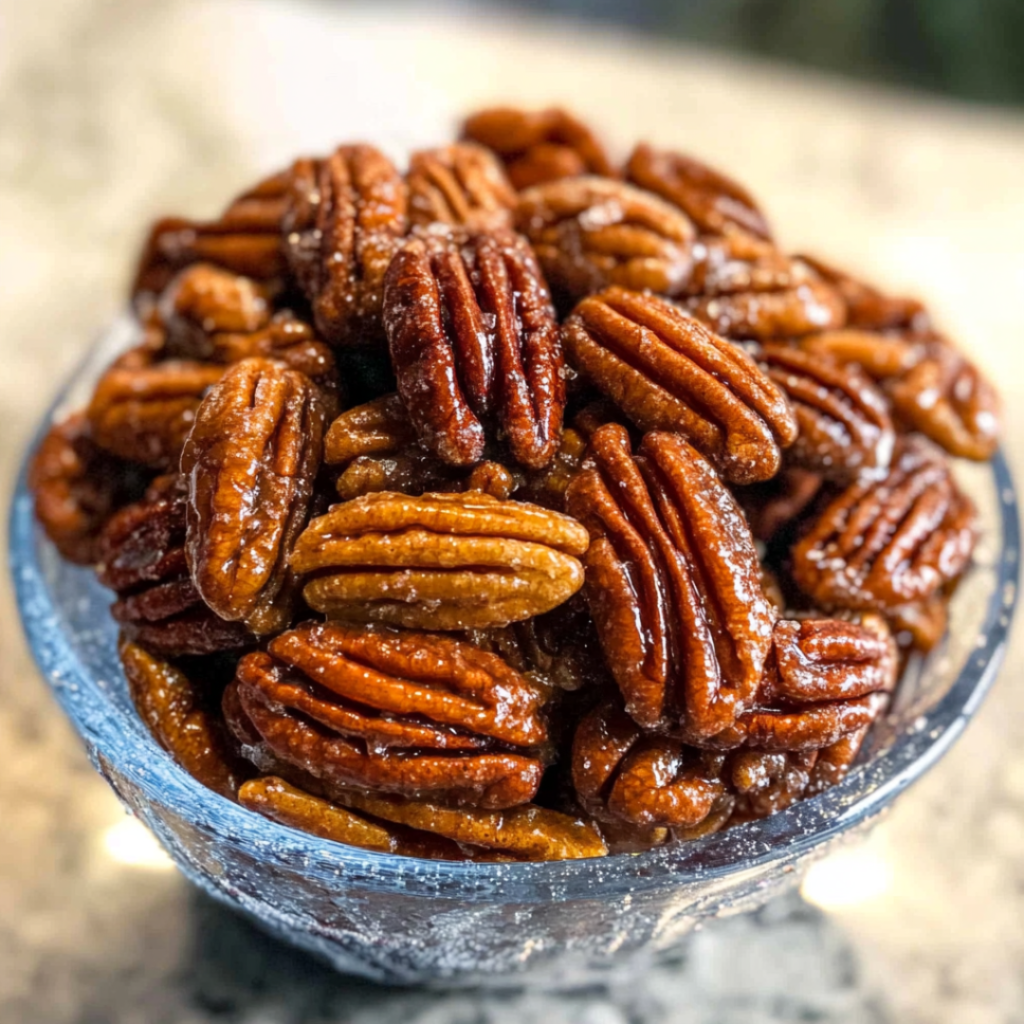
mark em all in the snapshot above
pixel 345 217
pixel 666 371
pixel 843 419
pixel 538 146
pixel 921 625
pixel 76 487
pixel 881 356
pixel 620 773
pixel 251 461
pixel 589 233
pixel 143 411
pixel 882 544
pixel 474 345
pixel 673 582
pixel 767 782
pixel 713 201
pixel 461 184
pixel 439 561
pixel 171 706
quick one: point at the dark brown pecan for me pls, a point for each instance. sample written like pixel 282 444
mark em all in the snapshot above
pixel 462 184
pixel 141 556
pixel 843 419
pixel 922 625
pixel 251 461
pixel 713 201
pixel 773 505
pixel 667 371
pixel 475 347
pixel 143 411
pixel 767 782
pixel 439 561
pixel 411 713
pixel 673 582
pixel 547 486
pixel 589 233
pixel 882 544
pixel 538 146
pixel 834 761
pixel 619 773
pixel 246 239
pixel 170 705
pixel 345 217
pixel 867 307
pixel 76 486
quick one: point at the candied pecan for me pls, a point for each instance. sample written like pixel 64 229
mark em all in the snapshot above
pixel 920 625
pixel 713 201
pixel 811 727
pixel 867 308
pixel 246 238
pixel 286 804
pixel 459 184
pixel 834 761
pixel 774 504
pixel 547 486
pixel 344 220
pixel 538 146
pixel 439 561
pixel 880 356
pixel 621 773
pixel 524 833
pixel 769 781
pixel 666 371
pixel 948 400
pixel 76 487
pixel 589 233
pixel 169 703
pixel 251 461
pixel 143 411
pixel 673 582
pixel 844 425
pixel 473 339
pixel 882 544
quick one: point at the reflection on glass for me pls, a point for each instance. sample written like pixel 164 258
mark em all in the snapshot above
pixel 130 842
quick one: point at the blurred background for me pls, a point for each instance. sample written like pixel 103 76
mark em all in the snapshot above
pixel 884 134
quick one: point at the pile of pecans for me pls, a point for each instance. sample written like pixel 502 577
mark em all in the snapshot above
pixel 519 507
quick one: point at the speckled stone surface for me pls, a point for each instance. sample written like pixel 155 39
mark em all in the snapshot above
pixel 113 112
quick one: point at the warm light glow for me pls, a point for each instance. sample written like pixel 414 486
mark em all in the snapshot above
pixel 848 878
pixel 130 842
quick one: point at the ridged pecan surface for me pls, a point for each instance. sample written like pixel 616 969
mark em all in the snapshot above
pixel 251 461
pixel 474 345
pixel 667 371
pixel 673 582
pixel 439 561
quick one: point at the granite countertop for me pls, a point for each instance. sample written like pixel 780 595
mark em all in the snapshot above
pixel 111 113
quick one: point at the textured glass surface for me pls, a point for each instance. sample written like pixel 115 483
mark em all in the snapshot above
pixel 406 920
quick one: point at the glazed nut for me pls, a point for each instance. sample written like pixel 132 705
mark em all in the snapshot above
pixel 673 582
pixel 770 781
pixel 882 544
pixel 667 371
pixel 474 345
pixel 462 184
pixel 250 462
pixel 344 220
pixel 881 356
pixel 590 233
pixel 380 427
pixel 439 561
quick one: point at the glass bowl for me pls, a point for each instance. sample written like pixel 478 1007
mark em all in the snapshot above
pixel 405 920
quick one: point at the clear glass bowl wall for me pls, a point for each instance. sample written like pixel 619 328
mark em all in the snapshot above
pixel 411 921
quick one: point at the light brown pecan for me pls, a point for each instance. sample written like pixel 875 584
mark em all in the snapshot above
pixel 462 184
pixel 867 307
pixel 667 371
pixel 843 419
pixel 474 345
pixel 620 773
pixel 882 544
pixel 538 146
pixel 76 487
pixel 439 561
pixel 143 410
pixel 345 218
pixel 673 582
pixel 251 461
pixel 172 708
pixel 589 233
pixel 881 356
pixel 713 201
pixel 523 833
pixel 246 239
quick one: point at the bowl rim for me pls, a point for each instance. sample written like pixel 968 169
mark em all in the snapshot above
pixel 786 836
